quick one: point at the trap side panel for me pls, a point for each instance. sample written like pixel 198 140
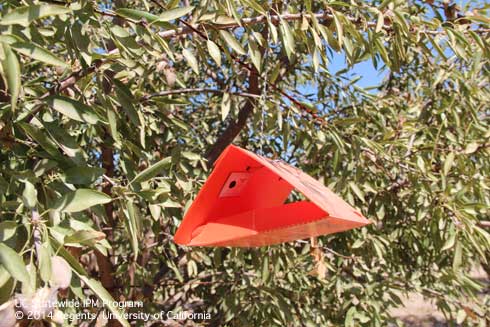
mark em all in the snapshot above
pixel 257 187
pixel 262 189
pixel 324 226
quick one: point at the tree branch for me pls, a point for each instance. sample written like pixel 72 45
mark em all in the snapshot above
pixel 483 223
pixel 198 90
pixel 235 127
pixel 276 19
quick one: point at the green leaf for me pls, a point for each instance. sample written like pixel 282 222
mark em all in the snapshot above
pixel 45 262
pixel 382 50
pixel 152 171
pixel 225 105
pixel 8 230
pixel 191 155
pixel 255 55
pixel 232 42
pixel 38 53
pixel 14 264
pixel 65 141
pixel 41 138
pixel 9 38
pixel 450 241
pixel 80 200
pixel 437 46
pixel 84 237
pixel 126 98
pixel 191 60
pixel 175 13
pixel 29 195
pixel 401 22
pixel 106 298
pixel 338 27
pixel 132 227
pixel 83 175
pixel 11 68
pixel 357 244
pixel 458 256
pixel 255 5
pixel 349 317
pixel 73 109
pixel 287 38
pixel 25 15
pixel 421 164
pixel 137 14
pixel 384 4
pixel 214 52
pixel 265 270
pixel 112 120
pixel 7 285
pixel 448 163
pixel 357 191
pixel 471 148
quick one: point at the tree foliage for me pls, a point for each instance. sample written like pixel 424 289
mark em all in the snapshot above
pixel 113 112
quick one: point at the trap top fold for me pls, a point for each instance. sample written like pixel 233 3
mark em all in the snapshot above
pixel 242 203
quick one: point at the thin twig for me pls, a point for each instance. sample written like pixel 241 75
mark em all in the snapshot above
pixel 483 223
pixel 197 90
pixel 315 245
pixel 276 19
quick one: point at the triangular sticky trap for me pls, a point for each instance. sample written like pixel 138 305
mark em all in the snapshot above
pixel 242 204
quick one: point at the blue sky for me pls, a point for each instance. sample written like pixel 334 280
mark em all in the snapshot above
pixel 365 69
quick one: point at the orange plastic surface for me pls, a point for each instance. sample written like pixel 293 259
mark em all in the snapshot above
pixel 242 204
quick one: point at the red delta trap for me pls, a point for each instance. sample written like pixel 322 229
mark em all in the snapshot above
pixel 242 204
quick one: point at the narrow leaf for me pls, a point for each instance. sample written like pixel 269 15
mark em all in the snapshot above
pixel 45 262
pixel 25 15
pixel 73 109
pixel 448 163
pixel 85 237
pixel 458 256
pixel 132 227
pixel 106 298
pixel 357 191
pixel 137 14
pixel 214 52
pixel 450 241
pixel 41 138
pixel 14 264
pixel 80 200
pixel 38 53
pixel 29 195
pixel 287 38
pixel 232 42
pixel 152 171
pixel 471 148
pixel 225 106
pixel 191 60
pixel 11 68
pixel 175 13
pixel 255 55
pixel 339 28
pixel 83 175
